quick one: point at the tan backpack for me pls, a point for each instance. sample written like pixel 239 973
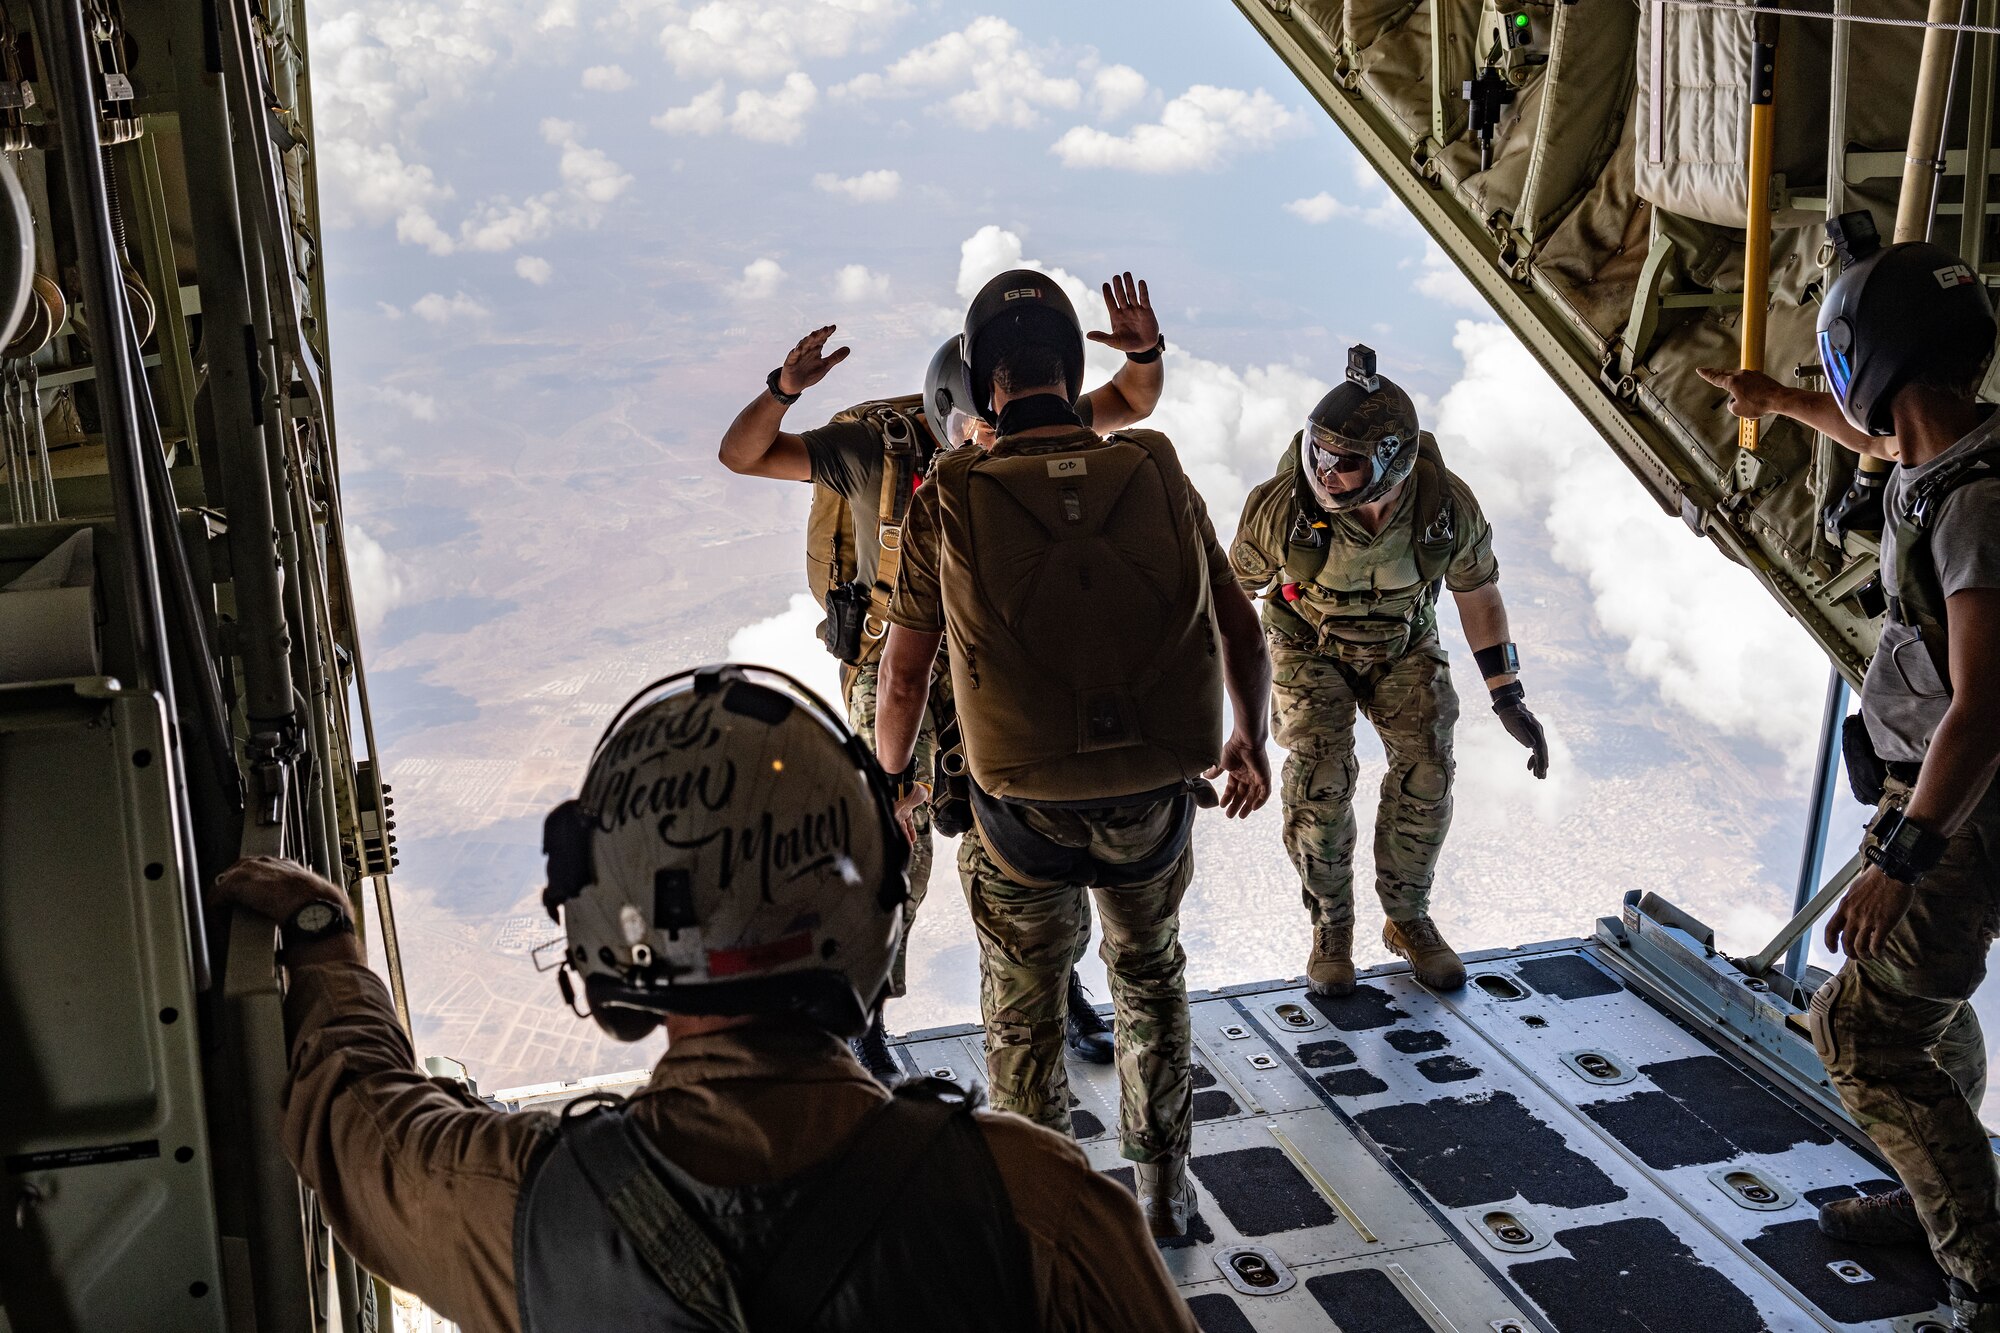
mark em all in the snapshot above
pixel 830 530
pixel 1084 656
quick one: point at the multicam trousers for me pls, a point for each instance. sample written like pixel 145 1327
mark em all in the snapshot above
pixel 1893 1033
pixel 861 687
pixel 1411 703
pixel 1028 938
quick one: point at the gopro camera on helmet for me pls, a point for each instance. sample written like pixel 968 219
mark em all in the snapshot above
pixel 1854 237
pixel 1361 367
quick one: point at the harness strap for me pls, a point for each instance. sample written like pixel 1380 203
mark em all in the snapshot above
pixel 900 452
pixel 867 1179
pixel 612 1156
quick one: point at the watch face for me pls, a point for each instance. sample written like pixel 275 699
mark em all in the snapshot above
pixel 314 917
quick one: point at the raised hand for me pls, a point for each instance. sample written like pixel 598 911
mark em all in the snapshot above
pixel 1134 327
pixel 807 363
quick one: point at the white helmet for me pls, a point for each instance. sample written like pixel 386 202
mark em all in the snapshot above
pixel 735 851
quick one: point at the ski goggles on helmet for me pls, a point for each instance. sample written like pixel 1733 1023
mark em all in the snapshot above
pixel 1331 460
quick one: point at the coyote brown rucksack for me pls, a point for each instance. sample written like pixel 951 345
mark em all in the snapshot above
pixel 831 542
pixel 1084 656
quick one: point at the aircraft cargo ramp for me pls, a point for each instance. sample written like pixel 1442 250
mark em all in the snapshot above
pixel 1617 1135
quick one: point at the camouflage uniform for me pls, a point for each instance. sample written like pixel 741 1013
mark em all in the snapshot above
pixel 1031 931
pixel 1028 938
pixel 1359 634
pixel 1887 1029
pixel 861 684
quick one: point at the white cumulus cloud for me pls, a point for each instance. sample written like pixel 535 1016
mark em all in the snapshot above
pixel 764 117
pixel 761 278
pixel 870 187
pixel 854 283
pixel 376 578
pixel 766 39
pixel 1197 131
pixel 535 269
pixel 1321 207
pixel 606 79
pixel 997 81
pixel 1698 627
pixel 1116 89
pixel 787 641
pixel 421 406
pixel 1440 280
pixel 436 308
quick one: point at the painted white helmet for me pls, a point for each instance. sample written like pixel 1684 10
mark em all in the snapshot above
pixel 734 851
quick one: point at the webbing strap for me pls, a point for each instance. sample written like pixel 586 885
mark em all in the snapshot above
pixel 900 451
pixel 673 1244
pixel 867 1179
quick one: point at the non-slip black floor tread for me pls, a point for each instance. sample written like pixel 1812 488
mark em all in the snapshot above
pixel 1903 1280
pixel 1446 1069
pixel 1216 1313
pixel 1567 977
pixel 1368 1007
pixel 1351 1083
pixel 1214 1105
pixel 1718 1092
pixel 1633 1276
pixel 1261 1192
pixel 1328 1054
pixel 1366 1300
pixel 1083 1124
pixel 1662 1131
pixel 1475 1150
pixel 1415 1041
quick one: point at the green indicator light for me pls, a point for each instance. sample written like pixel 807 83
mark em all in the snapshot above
pixel 1520 20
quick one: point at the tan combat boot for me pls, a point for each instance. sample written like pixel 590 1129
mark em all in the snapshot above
pixel 1166 1196
pixel 1330 970
pixel 1433 961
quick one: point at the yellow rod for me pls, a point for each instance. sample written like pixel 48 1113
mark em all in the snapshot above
pixel 1757 207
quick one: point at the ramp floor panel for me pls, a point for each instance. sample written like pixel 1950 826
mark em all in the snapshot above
pixel 1544 1149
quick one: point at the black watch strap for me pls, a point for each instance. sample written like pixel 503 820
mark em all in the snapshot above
pixel 771 385
pixel 1904 849
pixel 1502 659
pixel 314 921
pixel 1151 354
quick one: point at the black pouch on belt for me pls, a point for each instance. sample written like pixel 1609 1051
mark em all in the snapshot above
pixel 846 612
pixel 1865 769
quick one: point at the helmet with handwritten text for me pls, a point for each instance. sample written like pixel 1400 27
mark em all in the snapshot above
pixel 734 851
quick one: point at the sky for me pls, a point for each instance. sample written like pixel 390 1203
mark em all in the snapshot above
pixel 566 241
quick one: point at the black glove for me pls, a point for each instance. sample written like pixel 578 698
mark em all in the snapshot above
pixel 1522 725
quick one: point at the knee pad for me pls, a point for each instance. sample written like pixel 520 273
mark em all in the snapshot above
pixel 1428 781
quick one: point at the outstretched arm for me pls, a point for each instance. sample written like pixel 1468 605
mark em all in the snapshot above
pixel 1246 675
pixel 1134 391
pixel 756 445
pixel 1752 393
pixel 1484 616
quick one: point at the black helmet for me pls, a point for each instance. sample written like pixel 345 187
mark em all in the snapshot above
pixel 1366 418
pixel 1020 306
pixel 1893 313
pixel 948 397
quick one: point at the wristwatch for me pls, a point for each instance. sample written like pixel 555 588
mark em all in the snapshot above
pixel 313 921
pixel 1903 849
pixel 771 383
pixel 1151 354
pixel 1502 659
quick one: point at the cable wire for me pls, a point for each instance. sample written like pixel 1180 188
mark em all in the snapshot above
pixel 1876 20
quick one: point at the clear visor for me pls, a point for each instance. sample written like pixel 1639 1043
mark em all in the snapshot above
pixel 959 428
pixel 1839 370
